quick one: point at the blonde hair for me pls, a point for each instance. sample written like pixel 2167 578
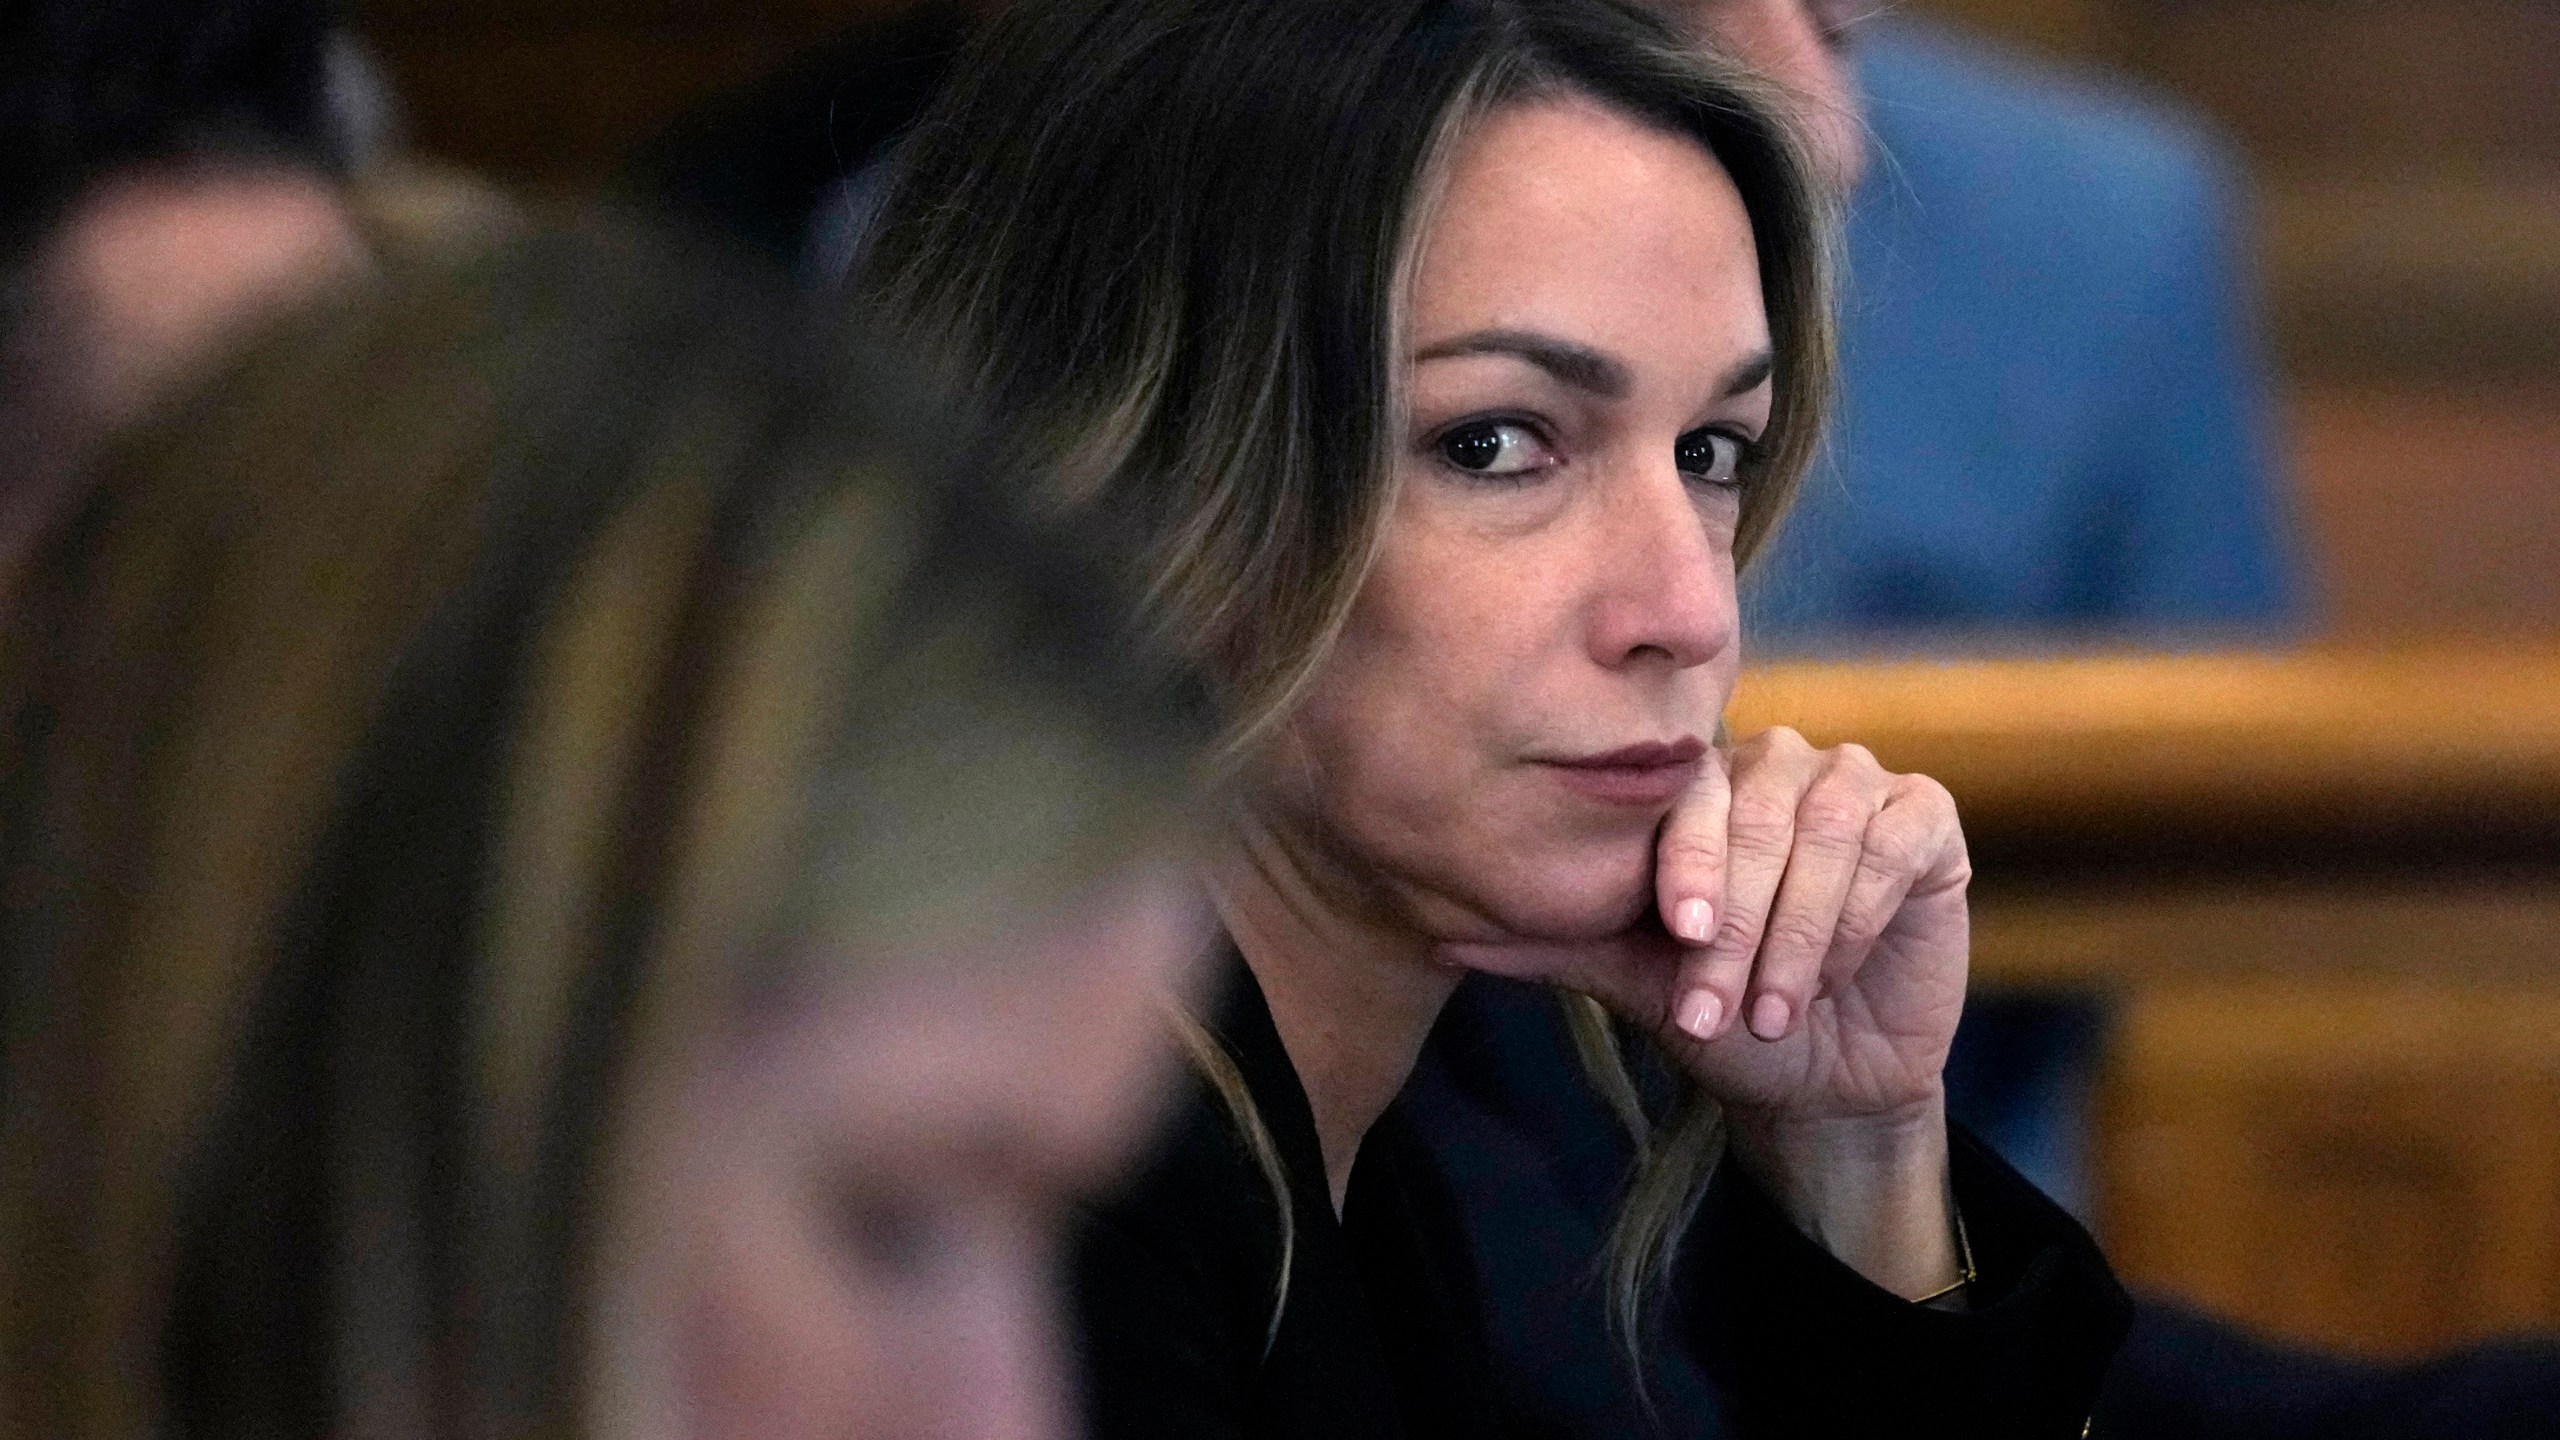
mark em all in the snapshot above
pixel 424 738
pixel 1168 243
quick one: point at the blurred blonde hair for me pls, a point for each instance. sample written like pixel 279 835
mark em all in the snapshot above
pixel 424 739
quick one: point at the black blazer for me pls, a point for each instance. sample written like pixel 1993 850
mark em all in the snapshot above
pixel 1384 1330
pixel 1177 1279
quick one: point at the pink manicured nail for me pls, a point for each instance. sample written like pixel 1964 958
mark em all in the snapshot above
pixel 1700 1012
pixel 1693 921
pixel 1769 1017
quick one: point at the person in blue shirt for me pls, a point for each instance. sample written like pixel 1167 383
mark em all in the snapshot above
pixel 2054 415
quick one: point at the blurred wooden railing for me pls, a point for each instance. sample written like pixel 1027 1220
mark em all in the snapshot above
pixel 2321 894
pixel 2224 814
pixel 2274 742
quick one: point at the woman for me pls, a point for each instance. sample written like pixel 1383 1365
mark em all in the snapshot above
pixel 1448 357
pixel 568 872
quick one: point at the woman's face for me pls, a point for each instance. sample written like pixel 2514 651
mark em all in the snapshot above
pixel 848 1224
pixel 1537 662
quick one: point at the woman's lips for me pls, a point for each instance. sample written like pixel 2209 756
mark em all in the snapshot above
pixel 1652 774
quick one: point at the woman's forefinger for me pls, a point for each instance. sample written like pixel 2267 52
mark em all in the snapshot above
pixel 1689 858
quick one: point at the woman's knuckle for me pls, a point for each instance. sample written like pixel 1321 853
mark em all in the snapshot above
pixel 1691 843
pixel 1898 848
pixel 1781 745
pixel 1799 934
pixel 1760 819
pixel 1831 814
pixel 1925 792
pixel 1856 932
pixel 1740 932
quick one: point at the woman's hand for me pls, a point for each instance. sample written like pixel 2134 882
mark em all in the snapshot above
pixel 1819 904
pixel 1808 969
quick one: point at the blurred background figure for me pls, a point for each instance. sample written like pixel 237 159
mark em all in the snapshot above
pixel 2055 428
pixel 171 175
pixel 571 868
pixel 168 173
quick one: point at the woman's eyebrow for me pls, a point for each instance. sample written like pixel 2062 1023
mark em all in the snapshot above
pixel 1579 366
pixel 1594 371
pixel 1748 376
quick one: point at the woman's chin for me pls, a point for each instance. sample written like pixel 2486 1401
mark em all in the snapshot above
pixel 1581 895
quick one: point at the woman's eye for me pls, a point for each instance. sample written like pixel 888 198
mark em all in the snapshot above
pixel 1711 457
pixel 1494 447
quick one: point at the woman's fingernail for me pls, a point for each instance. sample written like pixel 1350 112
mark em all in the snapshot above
pixel 1693 921
pixel 1700 1012
pixel 1769 1017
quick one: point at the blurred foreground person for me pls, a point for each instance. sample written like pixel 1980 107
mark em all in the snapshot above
pixel 571 872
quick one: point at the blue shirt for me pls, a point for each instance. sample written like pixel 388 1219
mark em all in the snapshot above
pixel 2054 407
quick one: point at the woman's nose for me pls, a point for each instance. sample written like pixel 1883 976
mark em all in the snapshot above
pixel 1662 572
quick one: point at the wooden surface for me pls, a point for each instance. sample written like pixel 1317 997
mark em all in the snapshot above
pixel 2370 1165
pixel 2330 1103
pixel 2117 935
pixel 2436 507
pixel 2285 743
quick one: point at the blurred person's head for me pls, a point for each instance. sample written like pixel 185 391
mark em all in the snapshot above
pixel 168 177
pixel 146 277
pixel 1802 45
pixel 91 88
pixel 571 866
